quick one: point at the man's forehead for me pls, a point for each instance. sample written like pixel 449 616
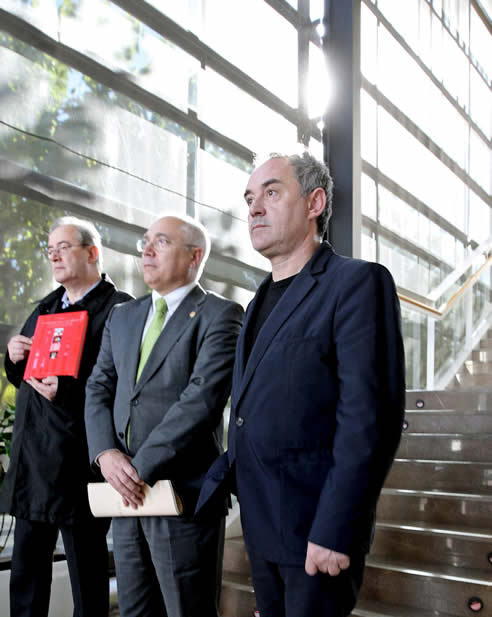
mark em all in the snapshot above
pixel 274 169
pixel 64 233
pixel 164 225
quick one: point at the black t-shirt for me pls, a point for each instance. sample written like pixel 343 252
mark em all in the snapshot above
pixel 265 305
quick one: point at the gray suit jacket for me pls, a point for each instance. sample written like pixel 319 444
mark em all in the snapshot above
pixel 175 409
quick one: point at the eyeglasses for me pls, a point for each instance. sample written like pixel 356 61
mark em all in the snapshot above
pixel 61 249
pixel 160 243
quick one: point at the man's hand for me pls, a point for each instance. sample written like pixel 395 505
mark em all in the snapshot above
pixel 122 475
pixel 321 559
pixel 47 387
pixel 19 347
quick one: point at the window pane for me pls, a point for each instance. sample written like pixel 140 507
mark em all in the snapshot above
pixel 368 196
pixel 87 135
pixel 229 110
pixel 369 42
pixel 481 103
pixel 368 128
pixel 256 27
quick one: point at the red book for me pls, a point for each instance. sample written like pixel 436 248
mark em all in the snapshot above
pixel 57 345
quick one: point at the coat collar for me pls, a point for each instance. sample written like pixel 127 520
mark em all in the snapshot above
pixel 91 302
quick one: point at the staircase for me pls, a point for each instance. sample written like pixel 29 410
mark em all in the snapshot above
pixel 432 553
pixel 477 370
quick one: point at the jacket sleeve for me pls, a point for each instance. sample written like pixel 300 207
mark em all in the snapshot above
pixel 15 372
pixel 201 403
pixel 369 414
pixel 99 398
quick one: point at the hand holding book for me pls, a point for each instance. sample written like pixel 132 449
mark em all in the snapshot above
pixel 47 387
pixel 19 347
pixel 57 345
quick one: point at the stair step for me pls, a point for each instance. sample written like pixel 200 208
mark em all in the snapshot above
pixel 237 597
pixel 480 380
pixel 465 510
pixel 441 475
pixel 482 355
pixel 444 544
pixel 474 367
pixel 448 421
pixel 380 609
pixel 424 586
pixel 449 399
pixel 446 446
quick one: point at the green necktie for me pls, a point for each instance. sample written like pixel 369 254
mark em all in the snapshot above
pixel 152 334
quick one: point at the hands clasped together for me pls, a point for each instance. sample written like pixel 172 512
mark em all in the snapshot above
pixel 117 469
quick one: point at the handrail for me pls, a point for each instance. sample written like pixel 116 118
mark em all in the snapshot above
pixel 441 312
pixel 450 280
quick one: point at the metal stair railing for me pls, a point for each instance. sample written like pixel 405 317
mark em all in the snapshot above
pixel 457 314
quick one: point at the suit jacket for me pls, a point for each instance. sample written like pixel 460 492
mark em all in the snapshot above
pixel 316 411
pixel 175 409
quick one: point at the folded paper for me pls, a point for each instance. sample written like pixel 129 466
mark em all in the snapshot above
pixel 159 500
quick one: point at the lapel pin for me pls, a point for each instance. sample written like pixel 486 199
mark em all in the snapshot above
pixel 192 314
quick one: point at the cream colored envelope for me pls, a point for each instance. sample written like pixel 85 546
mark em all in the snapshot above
pixel 159 500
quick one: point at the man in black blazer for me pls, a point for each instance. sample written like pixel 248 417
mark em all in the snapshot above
pixel 317 400
pixel 163 420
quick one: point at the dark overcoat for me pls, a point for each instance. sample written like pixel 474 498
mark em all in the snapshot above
pixel 49 465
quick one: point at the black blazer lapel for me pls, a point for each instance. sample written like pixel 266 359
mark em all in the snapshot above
pixel 240 364
pixel 186 312
pixel 294 295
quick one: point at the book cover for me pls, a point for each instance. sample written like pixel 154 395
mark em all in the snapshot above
pixel 57 345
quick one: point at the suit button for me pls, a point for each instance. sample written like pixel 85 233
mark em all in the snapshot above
pixel 135 402
pixel 239 421
pixel 121 435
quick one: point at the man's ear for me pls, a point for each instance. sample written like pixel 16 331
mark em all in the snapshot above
pixel 93 254
pixel 316 202
pixel 196 258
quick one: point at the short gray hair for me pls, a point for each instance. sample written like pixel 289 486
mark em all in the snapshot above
pixel 194 234
pixel 87 232
pixel 312 174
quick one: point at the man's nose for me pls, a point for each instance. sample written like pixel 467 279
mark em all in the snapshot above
pixel 148 248
pixel 256 207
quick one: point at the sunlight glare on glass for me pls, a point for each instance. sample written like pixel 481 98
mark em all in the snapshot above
pixel 320 84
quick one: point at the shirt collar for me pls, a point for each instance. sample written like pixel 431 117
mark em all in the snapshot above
pixel 174 298
pixel 65 302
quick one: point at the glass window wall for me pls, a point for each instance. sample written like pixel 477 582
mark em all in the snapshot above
pixel 426 153
pixel 120 116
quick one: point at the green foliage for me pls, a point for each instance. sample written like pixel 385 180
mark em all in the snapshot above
pixel 7 417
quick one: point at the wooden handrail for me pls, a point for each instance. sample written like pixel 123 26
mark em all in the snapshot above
pixel 439 313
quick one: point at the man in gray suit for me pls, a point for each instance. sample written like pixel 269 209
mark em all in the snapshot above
pixel 154 411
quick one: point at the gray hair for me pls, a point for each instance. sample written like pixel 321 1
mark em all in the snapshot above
pixel 87 232
pixel 312 174
pixel 194 234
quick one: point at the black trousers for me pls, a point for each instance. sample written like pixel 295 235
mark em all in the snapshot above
pixel 32 564
pixel 167 566
pixel 287 591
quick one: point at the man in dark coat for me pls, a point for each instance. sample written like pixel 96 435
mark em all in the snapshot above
pixel 317 400
pixel 46 484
